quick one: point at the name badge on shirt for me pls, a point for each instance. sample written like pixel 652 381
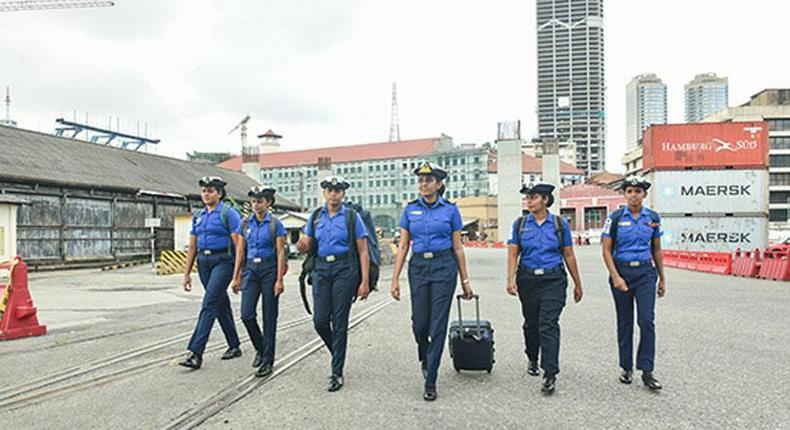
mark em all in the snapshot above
pixel 416 212
pixel 249 230
pixel 257 260
pixel 624 223
pixel 198 220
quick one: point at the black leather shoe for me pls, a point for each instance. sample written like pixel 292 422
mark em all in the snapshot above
pixel 335 383
pixel 533 369
pixel 258 361
pixel 424 367
pixel 430 394
pixel 232 353
pixel 650 381
pixel 549 383
pixel 627 376
pixel 193 361
pixel 264 371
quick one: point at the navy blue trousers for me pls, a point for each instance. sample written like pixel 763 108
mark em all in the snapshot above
pixel 216 272
pixel 542 300
pixel 335 285
pixel 641 283
pixel 258 284
pixel 432 285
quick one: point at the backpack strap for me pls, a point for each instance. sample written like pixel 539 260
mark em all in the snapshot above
pixel 521 221
pixel 351 223
pixel 559 229
pixel 273 221
pixel 223 216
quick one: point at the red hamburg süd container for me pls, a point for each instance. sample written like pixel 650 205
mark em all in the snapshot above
pixel 718 145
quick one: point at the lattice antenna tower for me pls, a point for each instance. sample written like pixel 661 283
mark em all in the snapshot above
pixel 394 121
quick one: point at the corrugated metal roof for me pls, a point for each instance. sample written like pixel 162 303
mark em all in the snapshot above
pixel 30 156
pixel 343 154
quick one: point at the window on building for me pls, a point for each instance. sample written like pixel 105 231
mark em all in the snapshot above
pixel 477 176
pixel 779 197
pixel 477 192
pixel 594 217
pixel 780 142
pixel 780 160
pixel 780 178
pixel 405 196
pixel 463 193
pixel 370 200
pixel 378 167
pixel 782 124
pixel 386 199
pixel 378 199
pixel 778 215
pixel 405 182
pixel 378 182
pixel 477 160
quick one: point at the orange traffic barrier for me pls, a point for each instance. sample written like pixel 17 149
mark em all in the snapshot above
pixel 721 263
pixel 744 263
pixel 776 264
pixel 17 313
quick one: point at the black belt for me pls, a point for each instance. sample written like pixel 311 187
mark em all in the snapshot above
pixel 635 263
pixel 333 258
pixel 541 272
pixel 262 260
pixel 213 251
pixel 432 255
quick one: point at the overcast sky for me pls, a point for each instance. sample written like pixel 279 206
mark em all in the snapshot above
pixel 320 72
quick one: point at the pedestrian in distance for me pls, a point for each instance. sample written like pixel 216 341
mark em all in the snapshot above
pixel 261 255
pixel 539 243
pixel 432 226
pixel 631 242
pixel 338 236
pixel 213 238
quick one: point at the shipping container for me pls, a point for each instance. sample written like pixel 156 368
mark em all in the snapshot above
pixel 714 234
pixel 740 145
pixel 708 192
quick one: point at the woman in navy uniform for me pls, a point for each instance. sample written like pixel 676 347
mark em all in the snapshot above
pixel 340 273
pixel 263 255
pixel 539 243
pixel 631 243
pixel 215 231
pixel 434 226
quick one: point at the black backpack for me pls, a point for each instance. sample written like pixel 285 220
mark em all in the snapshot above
pixel 618 214
pixel 558 228
pixel 308 265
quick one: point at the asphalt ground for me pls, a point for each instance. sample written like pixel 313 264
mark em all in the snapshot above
pixel 723 357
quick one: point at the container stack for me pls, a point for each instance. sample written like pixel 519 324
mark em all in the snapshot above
pixel 710 184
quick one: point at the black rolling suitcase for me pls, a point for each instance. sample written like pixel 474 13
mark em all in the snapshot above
pixel 471 341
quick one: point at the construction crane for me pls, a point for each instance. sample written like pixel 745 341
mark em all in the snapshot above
pixel 27 5
pixel 243 126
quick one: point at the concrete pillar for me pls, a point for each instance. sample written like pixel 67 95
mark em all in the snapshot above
pixel 250 159
pixel 551 170
pixel 509 172
pixel 324 170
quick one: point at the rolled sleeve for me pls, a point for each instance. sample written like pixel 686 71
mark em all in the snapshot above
pixel 514 239
pixel 404 219
pixel 566 238
pixel 280 229
pixel 456 222
pixel 308 228
pixel 234 221
pixel 658 231
pixel 607 227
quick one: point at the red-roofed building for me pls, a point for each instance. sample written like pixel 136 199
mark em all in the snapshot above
pixel 586 207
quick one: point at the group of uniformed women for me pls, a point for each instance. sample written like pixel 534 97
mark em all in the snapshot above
pixel 540 250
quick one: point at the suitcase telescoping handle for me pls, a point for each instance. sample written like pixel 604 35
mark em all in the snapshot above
pixel 477 312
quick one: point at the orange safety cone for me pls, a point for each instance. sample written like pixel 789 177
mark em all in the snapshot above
pixel 17 313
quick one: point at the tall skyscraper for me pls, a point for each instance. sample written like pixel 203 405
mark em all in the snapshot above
pixel 571 77
pixel 645 104
pixel 706 94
